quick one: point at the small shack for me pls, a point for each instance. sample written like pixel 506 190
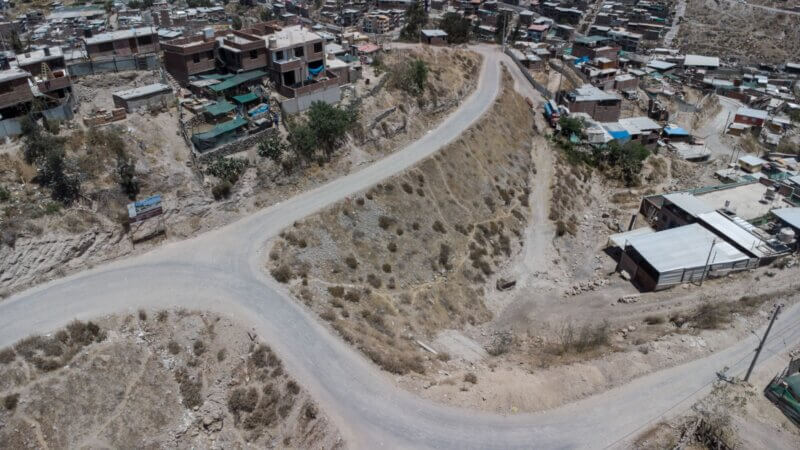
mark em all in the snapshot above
pixel 156 94
pixel 433 37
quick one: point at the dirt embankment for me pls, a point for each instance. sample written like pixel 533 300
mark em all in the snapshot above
pixel 411 256
pixel 175 379
pixel 739 32
pixel 392 116
pixel 42 240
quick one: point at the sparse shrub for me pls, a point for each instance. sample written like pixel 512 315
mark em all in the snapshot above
pixel 221 355
pixel 415 226
pixel 336 291
pixel 10 401
pixel 328 315
pixel 310 411
pixel 437 226
pixel 351 262
pixel 385 222
pixel 580 340
pixel 444 256
pixel 292 387
pixel 282 273
pixel 387 268
pixel 360 201
pixel 471 378
pixel 142 315
pixel 392 247
pixel 227 169
pixel 221 190
pixel 190 387
pixel 407 188
pixel 162 315
pixel 7 356
pixel 654 320
pixel 173 347
pixel 242 399
pixel 443 356
pixel 199 347
pixel 4 194
pixel 711 317
pixel 352 295
pixel 500 344
pixel 374 281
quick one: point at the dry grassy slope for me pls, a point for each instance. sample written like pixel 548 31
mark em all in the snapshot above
pixel 453 74
pixel 739 31
pixel 411 256
pixel 124 390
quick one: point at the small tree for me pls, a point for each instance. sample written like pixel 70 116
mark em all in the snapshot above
pixel 570 126
pixel 236 23
pixel 302 140
pixel 330 124
pixel 52 173
pixel 457 27
pixel 415 18
pixel 127 177
pixel 272 147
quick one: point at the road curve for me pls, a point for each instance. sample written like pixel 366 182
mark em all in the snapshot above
pixel 222 271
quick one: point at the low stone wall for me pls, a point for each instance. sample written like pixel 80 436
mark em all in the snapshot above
pixel 236 146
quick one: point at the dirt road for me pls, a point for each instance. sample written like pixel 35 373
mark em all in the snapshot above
pixel 223 271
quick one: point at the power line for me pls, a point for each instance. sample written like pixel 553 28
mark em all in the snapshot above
pixel 675 405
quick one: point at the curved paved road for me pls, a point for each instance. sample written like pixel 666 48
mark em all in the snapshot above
pixel 222 271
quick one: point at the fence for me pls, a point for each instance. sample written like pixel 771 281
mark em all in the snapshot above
pixel 542 90
pixel 114 64
pixel 62 112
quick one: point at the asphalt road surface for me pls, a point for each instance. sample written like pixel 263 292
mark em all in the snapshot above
pixel 222 271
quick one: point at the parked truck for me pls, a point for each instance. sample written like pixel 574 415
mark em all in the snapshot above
pixel 551 113
pixel 784 391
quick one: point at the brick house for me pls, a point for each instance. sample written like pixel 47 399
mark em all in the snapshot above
pixel 136 41
pixel 15 92
pixel 600 105
pixel 752 117
pixel 242 52
pixel 48 70
pixel 193 55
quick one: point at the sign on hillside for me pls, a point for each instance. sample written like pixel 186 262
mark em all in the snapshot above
pixel 145 209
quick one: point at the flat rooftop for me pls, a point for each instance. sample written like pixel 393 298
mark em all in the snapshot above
pixel 38 56
pixel 746 200
pixel 13 74
pixel 121 34
pixel 291 36
pixel 142 91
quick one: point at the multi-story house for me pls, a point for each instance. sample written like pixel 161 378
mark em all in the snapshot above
pixel 136 41
pixel 376 23
pixel 15 92
pixel 189 56
pixel 48 70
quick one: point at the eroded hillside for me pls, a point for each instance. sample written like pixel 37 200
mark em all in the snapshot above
pixel 411 256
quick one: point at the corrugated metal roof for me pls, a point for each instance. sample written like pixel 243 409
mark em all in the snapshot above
pixel 237 80
pixel 684 247
pixel 736 234
pixel 689 203
pixel 789 215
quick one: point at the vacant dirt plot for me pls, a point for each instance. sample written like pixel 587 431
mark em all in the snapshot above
pixel 392 115
pixel 411 256
pixel 739 32
pixel 167 379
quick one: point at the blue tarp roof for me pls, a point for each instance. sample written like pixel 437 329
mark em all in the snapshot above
pixel 672 130
pixel 620 134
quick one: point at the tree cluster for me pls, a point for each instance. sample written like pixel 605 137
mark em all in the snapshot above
pixel 415 19
pixel 411 78
pixel 457 27
pixel 316 137
pixel 47 153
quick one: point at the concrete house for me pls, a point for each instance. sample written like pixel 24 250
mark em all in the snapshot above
pixel 48 70
pixel 433 37
pixel 752 117
pixel 136 41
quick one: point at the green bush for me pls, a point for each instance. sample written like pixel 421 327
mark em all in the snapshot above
pixel 410 78
pixel 221 190
pixel 4 194
pixel 227 169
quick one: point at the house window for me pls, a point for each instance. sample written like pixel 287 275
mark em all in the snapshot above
pixel 196 58
pixel 5 88
pixel 279 55
pixel 318 47
pixel 145 40
pixel 298 52
pixel 253 54
pixel 105 47
pixel 210 54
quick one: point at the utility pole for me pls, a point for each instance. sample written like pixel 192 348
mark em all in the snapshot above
pixel 763 340
pixel 708 260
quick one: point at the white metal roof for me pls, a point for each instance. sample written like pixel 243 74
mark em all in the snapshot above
pixel 751 160
pixel 734 233
pixel 789 215
pixel 121 34
pixel 642 123
pixel 434 33
pixel 619 239
pixel 660 64
pixel 689 203
pixel 13 74
pixel 142 91
pixel 754 113
pixel 38 56
pixel 688 246
pixel 703 61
